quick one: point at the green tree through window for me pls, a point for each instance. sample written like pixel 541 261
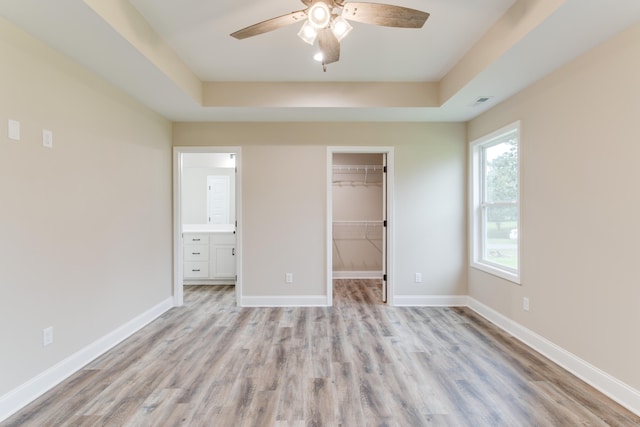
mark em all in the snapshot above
pixel 502 184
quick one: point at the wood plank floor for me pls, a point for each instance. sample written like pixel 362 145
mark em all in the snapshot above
pixel 358 363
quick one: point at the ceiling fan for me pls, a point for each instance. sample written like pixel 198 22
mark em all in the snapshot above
pixel 326 22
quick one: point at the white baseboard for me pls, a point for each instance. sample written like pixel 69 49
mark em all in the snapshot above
pixel 285 301
pixel 430 300
pixel 600 380
pixel 357 274
pixel 19 397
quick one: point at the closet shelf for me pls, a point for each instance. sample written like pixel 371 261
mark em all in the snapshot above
pixel 357 230
pixel 357 174
pixel 346 234
pixel 356 223
pixel 358 168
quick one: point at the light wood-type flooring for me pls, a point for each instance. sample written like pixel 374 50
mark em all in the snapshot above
pixel 358 363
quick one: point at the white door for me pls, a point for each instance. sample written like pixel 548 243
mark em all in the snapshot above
pixel 218 187
pixel 384 228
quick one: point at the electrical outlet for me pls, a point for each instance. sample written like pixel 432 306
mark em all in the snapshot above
pixel 418 277
pixel 288 278
pixel 47 336
pixel 525 303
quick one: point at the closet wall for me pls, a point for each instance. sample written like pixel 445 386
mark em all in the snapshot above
pixel 357 215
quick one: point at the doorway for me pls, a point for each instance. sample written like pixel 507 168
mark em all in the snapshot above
pixel 359 217
pixel 201 177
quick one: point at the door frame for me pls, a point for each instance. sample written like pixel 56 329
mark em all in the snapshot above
pixel 390 260
pixel 178 278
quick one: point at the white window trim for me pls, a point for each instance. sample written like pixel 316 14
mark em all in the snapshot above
pixel 475 223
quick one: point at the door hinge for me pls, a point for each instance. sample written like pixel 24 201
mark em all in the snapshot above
pixel 384 169
pixel 384 223
pixel 384 277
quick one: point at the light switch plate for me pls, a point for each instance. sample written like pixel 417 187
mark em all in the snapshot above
pixel 14 130
pixel 47 138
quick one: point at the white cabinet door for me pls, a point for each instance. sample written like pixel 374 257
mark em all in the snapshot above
pixel 225 262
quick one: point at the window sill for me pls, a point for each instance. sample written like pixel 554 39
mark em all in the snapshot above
pixel 503 274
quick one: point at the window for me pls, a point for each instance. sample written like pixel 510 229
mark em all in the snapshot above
pixel 495 200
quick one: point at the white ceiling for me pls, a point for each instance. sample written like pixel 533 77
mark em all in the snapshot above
pixel 198 32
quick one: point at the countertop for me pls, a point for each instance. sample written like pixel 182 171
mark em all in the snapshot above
pixel 208 228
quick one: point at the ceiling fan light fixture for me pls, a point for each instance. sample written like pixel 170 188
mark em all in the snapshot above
pixel 318 57
pixel 308 33
pixel 319 15
pixel 325 22
pixel 340 27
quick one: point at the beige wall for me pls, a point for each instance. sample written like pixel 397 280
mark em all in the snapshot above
pixel 85 227
pixel 580 208
pixel 284 168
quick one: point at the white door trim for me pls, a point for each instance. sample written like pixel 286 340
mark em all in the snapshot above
pixel 178 281
pixel 390 261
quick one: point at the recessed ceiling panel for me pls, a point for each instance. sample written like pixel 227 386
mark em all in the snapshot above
pixel 199 31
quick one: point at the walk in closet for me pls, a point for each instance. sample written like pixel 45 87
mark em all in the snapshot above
pixel 358 215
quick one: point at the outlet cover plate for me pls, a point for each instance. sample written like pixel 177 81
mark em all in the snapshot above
pixel 47 336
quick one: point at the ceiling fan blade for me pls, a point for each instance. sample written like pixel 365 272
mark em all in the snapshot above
pixel 329 46
pixel 270 25
pixel 384 14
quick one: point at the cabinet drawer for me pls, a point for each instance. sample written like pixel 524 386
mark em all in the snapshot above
pixel 196 253
pixel 223 238
pixel 196 270
pixel 195 239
